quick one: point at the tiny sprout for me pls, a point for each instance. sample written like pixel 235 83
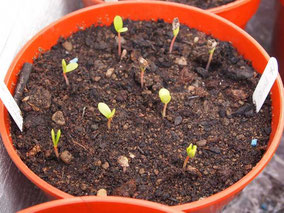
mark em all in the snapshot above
pixel 212 46
pixel 118 25
pixel 68 68
pixel 143 66
pixel 105 110
pixel 190 150
pixel 165 97
pixel 55 140
pixel 175 28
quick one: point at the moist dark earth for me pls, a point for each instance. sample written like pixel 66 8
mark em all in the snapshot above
pixel 204 4
pixel 210 109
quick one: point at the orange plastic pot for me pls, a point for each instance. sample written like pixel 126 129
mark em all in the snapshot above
pixel 238 12
pixel 193 17
pixel 101 205
pixel 278 38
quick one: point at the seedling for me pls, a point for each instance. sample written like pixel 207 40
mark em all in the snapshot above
pixel 212 46
pixel 105 110
pixel 175 25
pixel 55 140
pixel 68 68
pixel 190 150
pixel 165 97
pixel 118 26
pixel 143 66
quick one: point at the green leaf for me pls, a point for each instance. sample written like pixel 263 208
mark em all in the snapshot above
pixel 64 66
pixel 165 95
pixel 58 134
pixel 117 22
pixel 71 66
pixel 53 136
pixel 122 30
pixel 112 113
pixel 105 110
pixel 191 150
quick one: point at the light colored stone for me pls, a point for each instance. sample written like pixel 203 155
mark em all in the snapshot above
pixel 105 165
pixel 109 72
pixel 102 193
pixel 66 157
pixel 67 46
pixel 58 118
pixel 181 61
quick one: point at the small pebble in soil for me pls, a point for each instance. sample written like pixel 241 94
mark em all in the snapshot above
pixel 97 163
pixel 58 118
pixel 66 157
pixel 109 72
pixel 131 155
pixel 196 39
pixel 36 149
pixel 97 78
pixel 105 165
pixel 102 193
pixel 181 61
pixel 123 162
pixel 201 143
pixel 141 171
pixel 67 46
pixel 178 120
pixel 123 54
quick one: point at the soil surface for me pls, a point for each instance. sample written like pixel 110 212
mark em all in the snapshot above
pixel 210 109
pixel 204 4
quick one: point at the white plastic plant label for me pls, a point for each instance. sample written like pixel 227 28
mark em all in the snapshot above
pixel 11 105
pixel 265 83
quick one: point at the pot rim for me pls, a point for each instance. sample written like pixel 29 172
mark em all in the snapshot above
pixel 211 200
pixel 110 200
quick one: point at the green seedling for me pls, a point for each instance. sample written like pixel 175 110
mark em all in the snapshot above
pixel 68 68
pixel 212 46
pixel 118 26
pixel 175 25
pixel 105 110
pixel 165 97
pixel 190 150
pixel 55 140
pixel 143 64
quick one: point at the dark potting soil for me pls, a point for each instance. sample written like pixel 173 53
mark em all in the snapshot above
pixel 204 4
pixel 210 109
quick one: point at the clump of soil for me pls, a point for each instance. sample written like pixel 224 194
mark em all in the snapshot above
pixel 204 4
pixel 142 155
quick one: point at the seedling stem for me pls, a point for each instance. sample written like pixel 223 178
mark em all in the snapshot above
pixel 212 45
pixel 118 26
pixel 175 27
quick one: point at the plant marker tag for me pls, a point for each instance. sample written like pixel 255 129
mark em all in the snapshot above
pixel 11 105
pixel 265 83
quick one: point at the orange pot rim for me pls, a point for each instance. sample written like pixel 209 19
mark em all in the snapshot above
pixel 211 200
pixel 95 199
